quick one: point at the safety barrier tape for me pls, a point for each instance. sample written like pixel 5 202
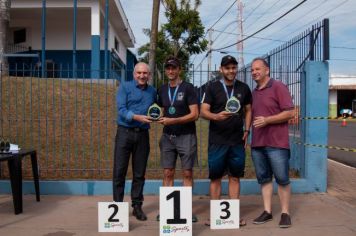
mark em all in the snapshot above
pixel 325 118
pixel 328 147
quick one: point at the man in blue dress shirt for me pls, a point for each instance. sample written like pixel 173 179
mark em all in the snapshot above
pixel 132 137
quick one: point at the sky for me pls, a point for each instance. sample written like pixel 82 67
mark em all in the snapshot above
pixel 256 15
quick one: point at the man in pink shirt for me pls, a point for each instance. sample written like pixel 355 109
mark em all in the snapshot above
pixel 272 107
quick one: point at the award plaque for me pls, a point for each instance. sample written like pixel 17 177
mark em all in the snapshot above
pixel 154 112
pixel 233 105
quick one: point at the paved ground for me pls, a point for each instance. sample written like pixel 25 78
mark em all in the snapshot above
pixel 342 182
pixel 342 137
pixel 331 214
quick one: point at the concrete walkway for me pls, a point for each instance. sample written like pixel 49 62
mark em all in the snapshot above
pixel 331 214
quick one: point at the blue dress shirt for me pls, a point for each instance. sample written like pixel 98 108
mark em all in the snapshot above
pixel 132 100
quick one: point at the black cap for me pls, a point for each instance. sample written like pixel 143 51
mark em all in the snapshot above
pixel 172 61
pixel 228 60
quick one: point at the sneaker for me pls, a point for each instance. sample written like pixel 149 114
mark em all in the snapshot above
pixel 207 222
pixel 242 223
pixel 285 221
pixel 263 218
pixel 157 217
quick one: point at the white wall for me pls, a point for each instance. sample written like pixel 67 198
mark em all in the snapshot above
pixel 59 28
pixel 332 96
pixel 342 80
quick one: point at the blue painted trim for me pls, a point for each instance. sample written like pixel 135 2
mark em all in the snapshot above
pixel 314 101
pixel 106 32
pixel 201 187
pixel 43 32
pixel 95 56
pixel 74 38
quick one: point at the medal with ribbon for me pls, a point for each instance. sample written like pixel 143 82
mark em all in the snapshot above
pixel 233 104
pixel 172 109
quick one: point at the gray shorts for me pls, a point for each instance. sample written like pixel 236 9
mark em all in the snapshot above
pixel 184 146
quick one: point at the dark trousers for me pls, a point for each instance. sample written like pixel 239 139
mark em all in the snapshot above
pixel 135 142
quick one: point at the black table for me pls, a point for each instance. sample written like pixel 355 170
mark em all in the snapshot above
pixel 14 161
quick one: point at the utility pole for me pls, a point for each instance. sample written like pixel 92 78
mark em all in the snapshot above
pixel 4 26
pixel 210 43
pixel 153 39
pixel 240 46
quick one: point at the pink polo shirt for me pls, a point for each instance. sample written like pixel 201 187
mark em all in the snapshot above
pixel 271 100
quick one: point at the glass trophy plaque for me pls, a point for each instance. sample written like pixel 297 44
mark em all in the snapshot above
pixel 233 105
pixel 154 112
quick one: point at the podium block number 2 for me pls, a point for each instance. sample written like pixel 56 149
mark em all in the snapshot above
pixel 113 216
pixel 175 208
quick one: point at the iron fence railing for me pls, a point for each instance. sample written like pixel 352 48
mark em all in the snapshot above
pixel 71 120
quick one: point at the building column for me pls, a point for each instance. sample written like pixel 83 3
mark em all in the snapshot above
pixel 95 40
pixel 333 103
pixel 314 132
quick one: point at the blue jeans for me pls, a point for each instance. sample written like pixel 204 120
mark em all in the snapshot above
pixel 270 161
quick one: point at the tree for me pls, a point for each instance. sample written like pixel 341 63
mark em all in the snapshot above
pixel 154 32
pixel 182 36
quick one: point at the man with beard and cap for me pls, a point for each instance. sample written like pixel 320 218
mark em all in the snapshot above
pixel 227 104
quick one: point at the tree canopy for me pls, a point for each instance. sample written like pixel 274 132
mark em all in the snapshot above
pixel 182 36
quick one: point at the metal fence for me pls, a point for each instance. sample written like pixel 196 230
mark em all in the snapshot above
pixel 287 61
pixel 71 122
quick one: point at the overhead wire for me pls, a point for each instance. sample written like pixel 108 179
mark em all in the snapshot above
pixel 265 27
pixel 280 29
pixel 226 11
pixel 265 12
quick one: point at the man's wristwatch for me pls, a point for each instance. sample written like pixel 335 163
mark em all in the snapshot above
pixel 246 130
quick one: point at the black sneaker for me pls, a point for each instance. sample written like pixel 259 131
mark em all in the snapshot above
pixel 285 221
pixel 194 218
pixel 157 217
pixel 263 218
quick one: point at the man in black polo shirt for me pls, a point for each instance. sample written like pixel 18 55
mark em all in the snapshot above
pixel 227 104
pixel 180 110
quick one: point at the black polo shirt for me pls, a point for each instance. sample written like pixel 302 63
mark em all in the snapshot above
pixel 185 97
pixel 229 131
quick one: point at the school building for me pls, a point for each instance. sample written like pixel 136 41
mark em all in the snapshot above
pixel 72 34
pixel 342 94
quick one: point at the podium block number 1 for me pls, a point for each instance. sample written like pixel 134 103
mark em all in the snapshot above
pixel 175 208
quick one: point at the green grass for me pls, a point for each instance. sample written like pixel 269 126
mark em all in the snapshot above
pixel 72 126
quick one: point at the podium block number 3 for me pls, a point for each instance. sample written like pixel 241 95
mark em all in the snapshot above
pixel 224 214
pixel 225 210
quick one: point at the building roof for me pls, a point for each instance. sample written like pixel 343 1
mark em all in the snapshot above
pixel 342 82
